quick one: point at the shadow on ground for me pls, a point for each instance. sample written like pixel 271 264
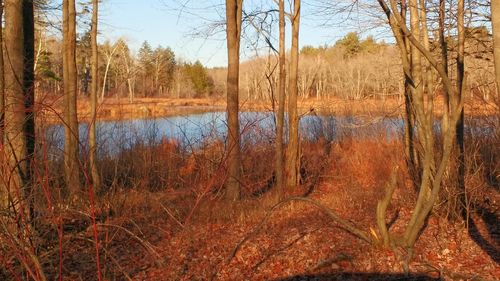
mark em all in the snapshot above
pixel 359 276
pixel 491 244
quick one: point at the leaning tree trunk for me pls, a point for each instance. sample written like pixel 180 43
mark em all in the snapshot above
pixel 495 24
pixel 411 154
pixel 434 165
pixel 93 99
pixel 70 89
pixel 233 18
pixel 19 96
pixel 293 161
pixel 281 98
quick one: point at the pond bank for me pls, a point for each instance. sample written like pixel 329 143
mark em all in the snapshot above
pixel 122 109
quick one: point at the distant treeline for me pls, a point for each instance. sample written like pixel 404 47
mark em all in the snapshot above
pixel 355 68
pixel 151 72
pixel 352 68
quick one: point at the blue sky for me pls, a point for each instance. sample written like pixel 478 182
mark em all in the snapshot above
pixel 162 22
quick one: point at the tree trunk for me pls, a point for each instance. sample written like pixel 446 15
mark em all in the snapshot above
pixel 71 148
pixel 96 181
pixel 281 98
pixel 495 24
pixel 2 80
pixel 433 168
pixel 19 95
pixel 444 61
pixel 4 198
pixel 460 151
pixel 233 18
pixel 293 161
pixel 106 71
pixel 424 136
pixel 411 154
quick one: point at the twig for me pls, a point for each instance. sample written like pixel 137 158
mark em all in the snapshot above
pixel 170 214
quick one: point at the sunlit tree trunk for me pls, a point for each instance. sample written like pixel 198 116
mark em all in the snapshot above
pixel 444 60
pixel 70 90
pixel 19 97
pixel 293 161
pixel 233 29
pixel 93 98
pixel 495 23
pixel 281 98
pixel 427 69
pixel 2 90
pixel 109 58
pixel 411 154
pixel 434 165
pixel 3 187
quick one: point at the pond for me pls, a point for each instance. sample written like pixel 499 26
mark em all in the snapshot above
pixel 193 130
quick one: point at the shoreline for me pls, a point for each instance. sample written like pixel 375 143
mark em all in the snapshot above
pixel 51 112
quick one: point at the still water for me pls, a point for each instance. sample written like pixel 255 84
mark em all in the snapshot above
pixel 193 130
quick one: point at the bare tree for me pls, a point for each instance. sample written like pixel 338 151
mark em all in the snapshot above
pixel 293 161
pixel 433 166
pixel 93 97
pixel 233 29
pixel 130 72
pixel 109 52
pixel 19 97
pixel 281 97
pixel 70 90
pixel 461 206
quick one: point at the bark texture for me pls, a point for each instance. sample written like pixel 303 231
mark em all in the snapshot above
pixel 281 98
pixel 2 80
pixel 96 181
pixel 233 29
pixel 71 154
pixel 19 97
pixel 293 161
pixel 495 23
pixel 433 164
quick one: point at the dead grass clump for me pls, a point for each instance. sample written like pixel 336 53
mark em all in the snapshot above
pixel 368 163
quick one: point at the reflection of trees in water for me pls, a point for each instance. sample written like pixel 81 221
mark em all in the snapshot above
pixel 194 130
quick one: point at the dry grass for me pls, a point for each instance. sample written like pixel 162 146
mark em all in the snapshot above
pixel 168 200
pixel 122 109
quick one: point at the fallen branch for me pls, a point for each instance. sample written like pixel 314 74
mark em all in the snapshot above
pixel 145 244
pixel 111 257
pixel 170 214
pixel 453 275
pixel 346 225
pixel 328 262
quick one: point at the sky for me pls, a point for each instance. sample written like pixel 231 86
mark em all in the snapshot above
pixel 166 23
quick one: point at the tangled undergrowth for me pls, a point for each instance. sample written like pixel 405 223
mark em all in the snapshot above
pixel 159 216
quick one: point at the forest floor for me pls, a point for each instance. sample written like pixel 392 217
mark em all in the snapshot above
pixel 190 234
pixel 182 238
pixel 121 109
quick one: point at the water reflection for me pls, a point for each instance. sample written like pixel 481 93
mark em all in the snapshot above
pixel 194 130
